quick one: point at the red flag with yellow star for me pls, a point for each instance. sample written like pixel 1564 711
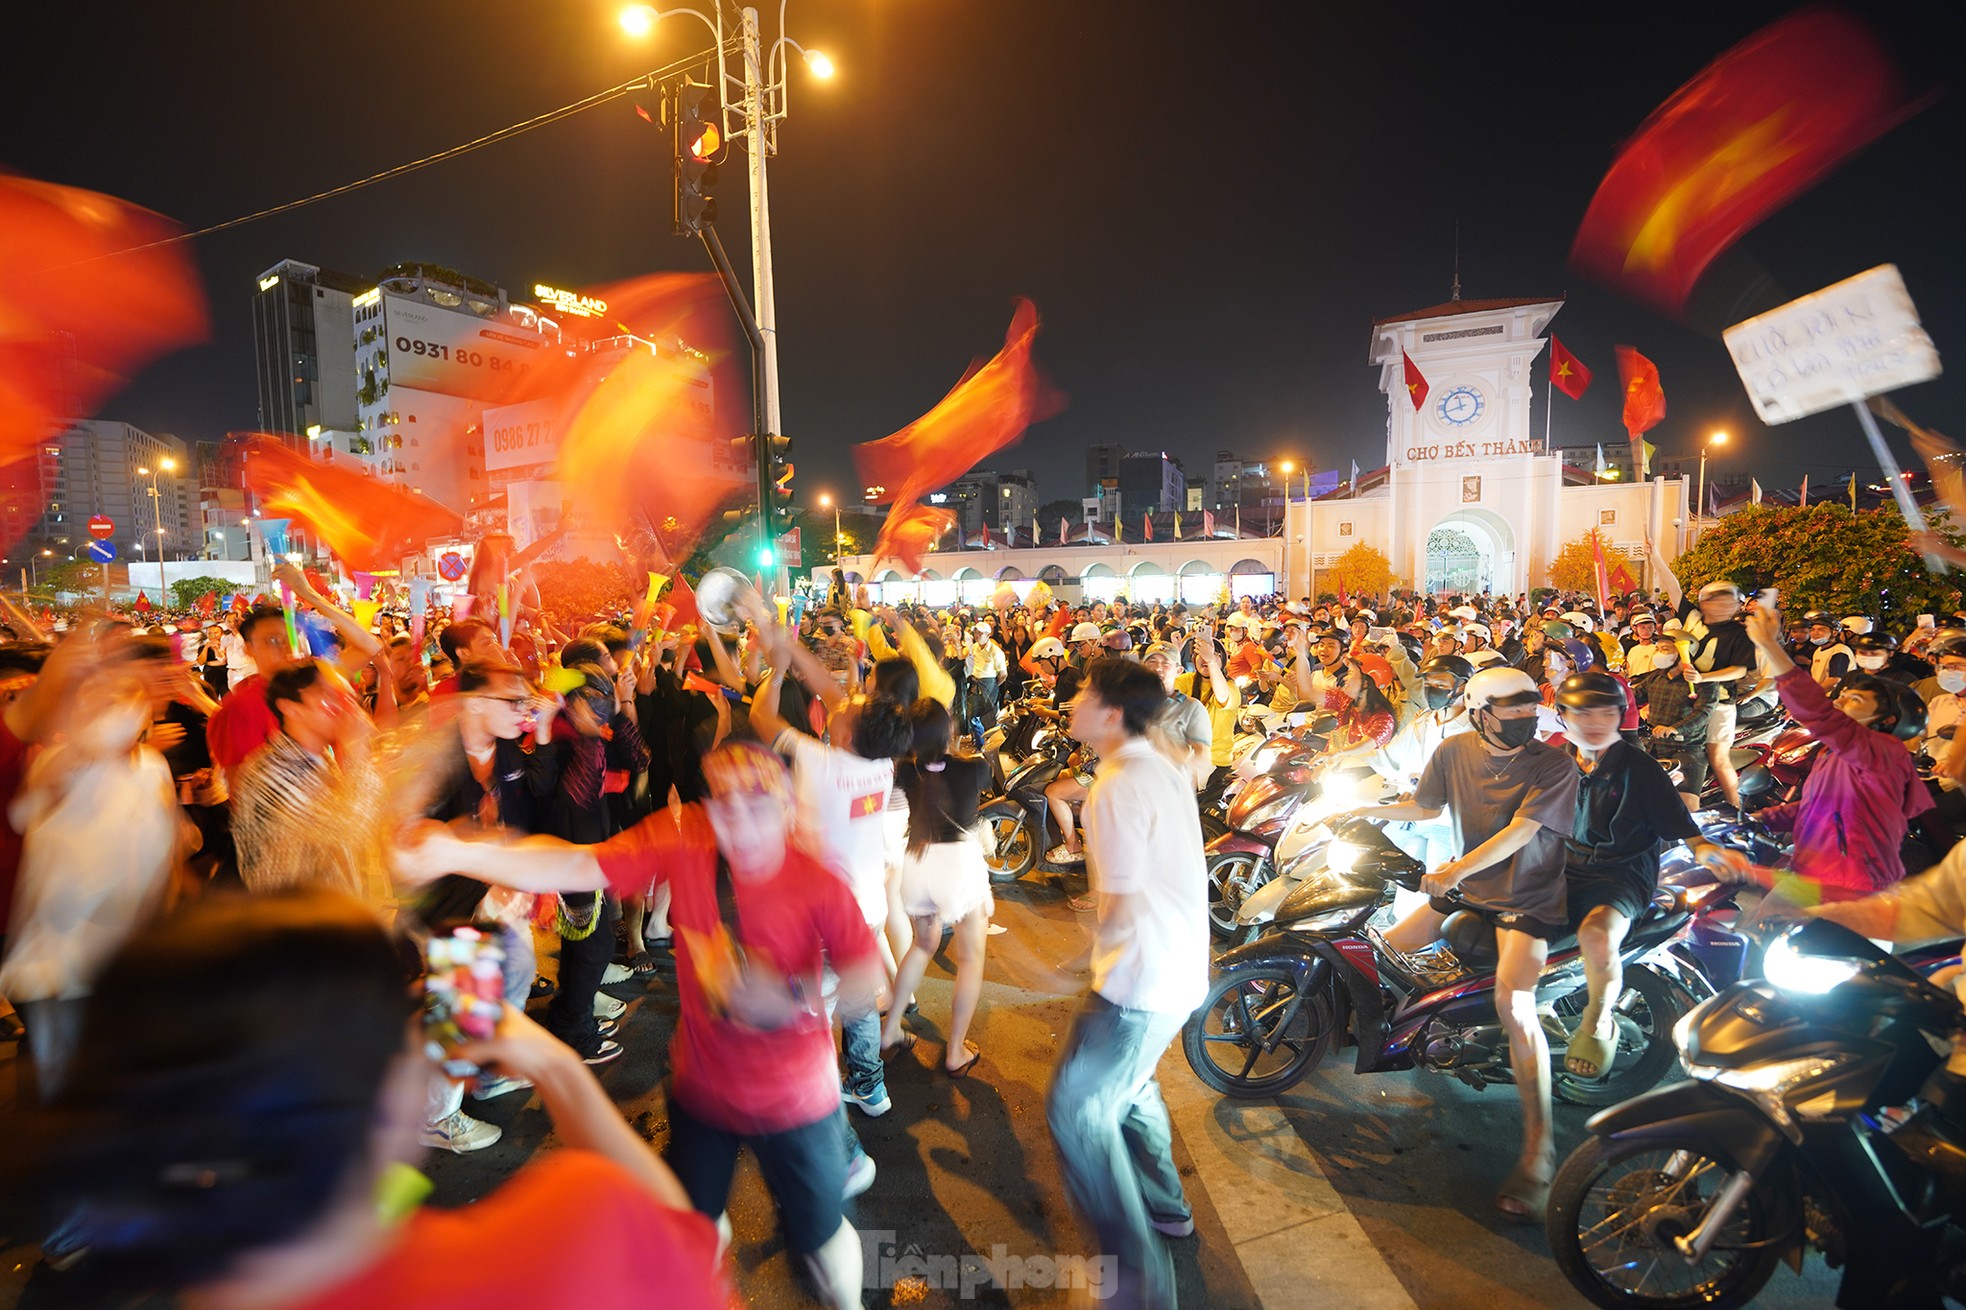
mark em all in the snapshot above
pixel 1645 403
pixel 1416 386
pixel 366 522
pixel 1756 128
pixel 1567 372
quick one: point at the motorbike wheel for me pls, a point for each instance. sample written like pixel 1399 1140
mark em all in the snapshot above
pixel 1232 875
pixel 1257 1034
pixel 1009 849
pixel 1647 1009
pixel 1616 1206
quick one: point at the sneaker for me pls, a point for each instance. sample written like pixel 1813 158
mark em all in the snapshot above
pixel 608 1027
pixel 1174 1227
pixel 542 986
pixel 615 973
pixel 489 1087
pixel 1060 855
pixel 460 1133
pixel 859 1176
pixel 606 1007
pixel 608 1051
pixel 872 1106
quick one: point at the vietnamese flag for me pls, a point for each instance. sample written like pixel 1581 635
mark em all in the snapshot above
pixel 911 528
pixel 1645 403
pixel 1567 372
pixel 366 522
pixel 1416 386
pixel 987 410
pixel 1756 128
pixel 1147 521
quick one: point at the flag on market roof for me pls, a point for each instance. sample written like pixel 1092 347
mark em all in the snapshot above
pixel 1147 519
pixel 911 528
pixel 1753 130
pixel 986 536
pixel 366 522
pixel 1207 524
pixel 1354 475
pixel 1567 372
pixel 1416 385
pixel 1064 530
pixel 987 410
pixel 1754 491
pixel 1037 533
pixel 1645 403
pixel 1601 466
pixel 1177 525
pixel 1802 496
pixel 1853 493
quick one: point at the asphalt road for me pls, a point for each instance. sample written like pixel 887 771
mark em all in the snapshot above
pixel 1351 1191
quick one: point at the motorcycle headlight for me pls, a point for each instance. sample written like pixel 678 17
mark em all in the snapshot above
pixel 1768 1085
pixel 1276 807
pixel 1343 856
pixel 1341 788
pixel 1811 975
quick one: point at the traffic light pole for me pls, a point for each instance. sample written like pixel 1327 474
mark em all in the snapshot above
pixel 761 428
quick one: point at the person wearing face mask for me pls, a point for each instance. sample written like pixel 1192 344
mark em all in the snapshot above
pixel 1513 805
pixel 1871 653
pixel 1723 657
pixel 1829 654
pixel 1627 811
pixel 1675 716
pixel 1863 791
pixel 1366 719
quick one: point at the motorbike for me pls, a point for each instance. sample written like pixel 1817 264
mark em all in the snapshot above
pixel 1255 879
pixel 1016 825
pixel 1324 975
pixel 1801 1127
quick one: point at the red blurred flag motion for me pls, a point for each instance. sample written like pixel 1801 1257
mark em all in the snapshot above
pixel 1567 372
pixel 366 522
pixel 1645 402
pixel 637 428
pixel 1416 385
pixel 1622 581
pixel 911 528
pixel 208 604
pixel 78 318
pixel 1599 571
pixel 988 410
pixel 143 602
pixel 1760 125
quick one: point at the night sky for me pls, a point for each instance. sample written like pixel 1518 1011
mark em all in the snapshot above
pixel 1209 203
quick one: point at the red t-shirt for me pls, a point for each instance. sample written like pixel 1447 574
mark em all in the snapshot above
pixel 242 724
pixel 572 1228
pixel 728 1075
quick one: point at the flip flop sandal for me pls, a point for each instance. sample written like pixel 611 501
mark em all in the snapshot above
pixel 1523 1197
pixel 1588 1048
pixel 907 1043
pixel 643 963
pixel 962 1070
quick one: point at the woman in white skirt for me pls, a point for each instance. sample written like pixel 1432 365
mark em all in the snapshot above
pixel 943 877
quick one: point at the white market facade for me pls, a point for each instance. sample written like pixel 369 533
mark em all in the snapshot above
pixel 1470 500
pixel 1197 570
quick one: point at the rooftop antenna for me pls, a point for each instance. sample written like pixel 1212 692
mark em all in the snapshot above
pixel 1456 293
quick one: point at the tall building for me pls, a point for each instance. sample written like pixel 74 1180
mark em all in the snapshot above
pixel 1152 480
pixel 302 324
pixel 1102 467
pixel 101 469
pixel 993 498
pixel 1237 482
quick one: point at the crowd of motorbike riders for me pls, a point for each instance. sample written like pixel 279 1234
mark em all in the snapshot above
pixel 1537 763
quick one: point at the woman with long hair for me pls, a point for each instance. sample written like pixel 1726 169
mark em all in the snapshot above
pixel 943 877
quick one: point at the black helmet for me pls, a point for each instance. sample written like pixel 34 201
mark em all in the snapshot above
pixel 1593 689
pixel 1816 617
pixel 1901 703
pixel 1874 642
pixel 1949 641
pixel 1455 666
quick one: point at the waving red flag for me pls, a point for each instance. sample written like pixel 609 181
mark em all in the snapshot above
pixel 988 410
pixel 1411 379
pixel 1645 402
pixel 1756 128
pixel 1567 372
pixel 911 528
pixel 366 522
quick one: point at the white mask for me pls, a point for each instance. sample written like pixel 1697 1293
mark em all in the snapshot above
pixel 1870 661
pixel 1953 680
pixel 1664 659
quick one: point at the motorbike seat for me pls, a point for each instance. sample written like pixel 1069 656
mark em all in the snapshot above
pixel 1472 940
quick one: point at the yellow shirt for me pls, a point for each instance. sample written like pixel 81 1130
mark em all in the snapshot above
pixel 1221 715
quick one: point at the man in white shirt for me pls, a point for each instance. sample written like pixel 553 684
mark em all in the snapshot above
pixel 1149 971
pixel 986 665
pixel 239 663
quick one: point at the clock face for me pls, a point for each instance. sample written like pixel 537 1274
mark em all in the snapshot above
pixel 1460 407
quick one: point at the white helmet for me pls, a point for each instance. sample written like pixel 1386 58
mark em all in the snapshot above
pixel 1583 622
pixel 1856 625
pixel 1501 685
pixel 1464 612
pixel 1086 632
pixel 1047 648
pixel 1478 630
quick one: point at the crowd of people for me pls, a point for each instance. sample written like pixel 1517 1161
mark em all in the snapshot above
pixel 230 845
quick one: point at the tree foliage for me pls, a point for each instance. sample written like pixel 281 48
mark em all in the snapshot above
pixel 185 592
pixel 1575 566
pixel 1363 570
pixel 1823 557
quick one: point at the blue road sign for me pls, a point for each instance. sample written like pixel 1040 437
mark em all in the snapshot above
pixel 102 551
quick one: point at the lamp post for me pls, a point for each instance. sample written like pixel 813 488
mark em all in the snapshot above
pixel 1287 467
pixel 164 465
pixel 1700 512
pixel 762 81
pixel 824 501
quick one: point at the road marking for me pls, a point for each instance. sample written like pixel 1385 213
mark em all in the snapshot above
pixel 1296 1239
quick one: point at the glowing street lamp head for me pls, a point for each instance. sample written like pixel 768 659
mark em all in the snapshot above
pixel 820 64
pixel 638 20
pixel 825 501
pixel 1287 467
pixel 167 464
pixel 1718 438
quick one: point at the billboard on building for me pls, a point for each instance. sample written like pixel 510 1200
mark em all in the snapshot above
pixel 528 434
pixel 458 354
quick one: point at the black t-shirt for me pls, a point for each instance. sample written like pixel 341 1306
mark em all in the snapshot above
pixel 1725 646
pixel 1627 811
pixel 963 778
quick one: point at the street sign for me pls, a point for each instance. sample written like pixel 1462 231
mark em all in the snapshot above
pixel 1838 346
pixel 451 566
pixel 102 551
pixel 101 526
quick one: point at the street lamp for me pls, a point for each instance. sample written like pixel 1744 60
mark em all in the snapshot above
pixel 1700 513
pixel 825 501
pixel 164 465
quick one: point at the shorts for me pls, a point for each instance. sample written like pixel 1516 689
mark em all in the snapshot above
pixel 1497 918
pixel 948 880
pixel 804 1169
pixel 1628 896
pixel 1720 725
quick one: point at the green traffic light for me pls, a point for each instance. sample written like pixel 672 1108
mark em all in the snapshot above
pixel 766 558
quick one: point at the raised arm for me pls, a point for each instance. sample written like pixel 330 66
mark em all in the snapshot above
pixel 358 644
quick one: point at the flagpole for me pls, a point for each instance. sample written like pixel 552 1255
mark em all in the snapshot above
pixel 1549 404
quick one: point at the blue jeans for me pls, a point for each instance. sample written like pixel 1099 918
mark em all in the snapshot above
pixel 1115 1143
pixel 521 964
pixel 861 1040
